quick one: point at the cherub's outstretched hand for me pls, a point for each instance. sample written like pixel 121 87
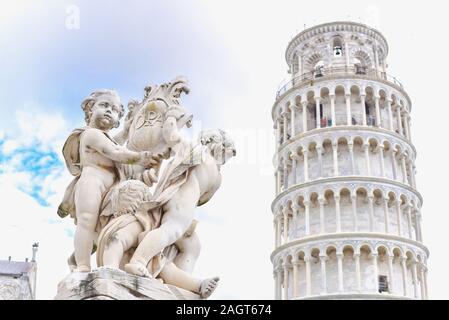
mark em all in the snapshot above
pixel 148 159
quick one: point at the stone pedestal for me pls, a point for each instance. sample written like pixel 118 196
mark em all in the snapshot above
pixel 110 284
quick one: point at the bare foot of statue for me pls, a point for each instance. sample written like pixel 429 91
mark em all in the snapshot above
pixel 208 286
pixel 82 269
pixel 137 269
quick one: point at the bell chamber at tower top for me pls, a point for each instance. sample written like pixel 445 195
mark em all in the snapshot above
pixel 339 48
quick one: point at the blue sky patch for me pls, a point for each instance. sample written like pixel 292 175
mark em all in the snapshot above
pixel 34 161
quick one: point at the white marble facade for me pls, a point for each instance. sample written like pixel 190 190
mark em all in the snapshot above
pixel 347 215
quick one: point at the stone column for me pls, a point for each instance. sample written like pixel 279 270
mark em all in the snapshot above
pixel 318 117
pixel 276 284
pixel 376 272
pixel 277 128
pixel 425 283
pixel 285 132
pixel 335 158
pixel 285 214
pixel 376 60
pixel 280 273
pixel 275 233
pixel 334 120
pixel 319 150
pixel 395 165
pixel 404 275
pixel 295 278
pixel 351 156
pixel 285 174
pixel 278 182
pixel 304 116
pixel 368 166
pixel 278 230
pixel 415 211
pixel 382 162
pixel 398 110
pixel 418 227
pixel 406 127
pixel 378 118
pixel 404 169
pixel 347 54
pixel 390 273
pixel 371 212
pixel 422 285
pixel 387 216
pixel 323 259
pixel 358 272
pixel 322 225
pixel 415 279
pixel 390 115
pixel 285 281
pixel 307 216
pixel 294 158
pixel 409 221
pixel 292 118
pixel 414 176
pixel 354 210
pixel 363 100
pixel 308 277
pixel 399 216
pixel 340 272
pixel 337 213
pixel 412 173
pixel 305 152
pixel 348 109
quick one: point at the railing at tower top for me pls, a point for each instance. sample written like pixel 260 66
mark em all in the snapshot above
pixel 324 73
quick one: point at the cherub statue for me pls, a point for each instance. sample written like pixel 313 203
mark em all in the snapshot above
pixel 91 155
pixel 189 180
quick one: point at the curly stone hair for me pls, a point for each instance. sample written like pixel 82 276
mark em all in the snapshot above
pixel 87 103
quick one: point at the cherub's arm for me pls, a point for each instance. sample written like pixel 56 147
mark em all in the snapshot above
pixel 121 137
pixel 96 140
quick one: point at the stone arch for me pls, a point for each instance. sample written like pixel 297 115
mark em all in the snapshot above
pixel 363 58
pixel 313 59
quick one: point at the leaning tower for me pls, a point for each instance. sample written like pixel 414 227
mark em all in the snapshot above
pixel 347 214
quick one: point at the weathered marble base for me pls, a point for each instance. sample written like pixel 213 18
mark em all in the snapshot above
pixel 110 284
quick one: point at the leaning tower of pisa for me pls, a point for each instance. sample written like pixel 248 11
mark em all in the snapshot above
pixel 347 214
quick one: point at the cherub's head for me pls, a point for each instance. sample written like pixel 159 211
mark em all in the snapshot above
pixel 103 109
pixel 219 143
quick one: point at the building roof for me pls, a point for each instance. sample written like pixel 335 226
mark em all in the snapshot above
pixel 14 267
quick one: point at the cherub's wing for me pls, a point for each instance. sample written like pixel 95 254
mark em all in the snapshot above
pixel 71 152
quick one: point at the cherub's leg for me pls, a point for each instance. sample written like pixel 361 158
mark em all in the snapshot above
pixel 178 215
pixel 87 200
pixel 171 274
pixel 189 251
pixel 120 242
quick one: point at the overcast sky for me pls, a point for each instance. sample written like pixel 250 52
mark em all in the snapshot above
pixel 232 52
